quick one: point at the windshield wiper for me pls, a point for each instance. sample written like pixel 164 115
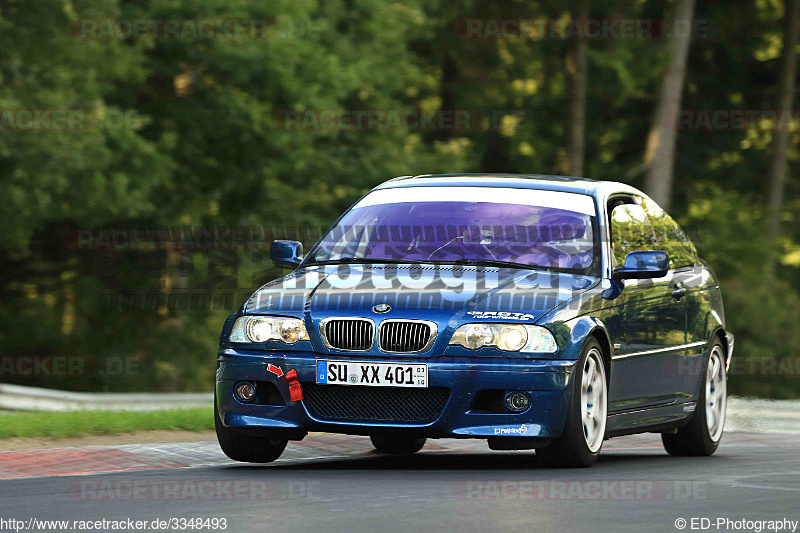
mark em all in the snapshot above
pixel 487 262
pixel 365 261
pixel 498 263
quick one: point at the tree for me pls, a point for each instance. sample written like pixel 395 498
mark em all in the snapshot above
pixel 780 145
pixel 576 70
pixel 209 144
pixel 660 153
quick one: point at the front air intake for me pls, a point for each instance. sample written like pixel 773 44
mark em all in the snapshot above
pixel 388 405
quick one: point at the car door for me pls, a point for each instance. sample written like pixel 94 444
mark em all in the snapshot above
pixel 689 278
pixel 643 366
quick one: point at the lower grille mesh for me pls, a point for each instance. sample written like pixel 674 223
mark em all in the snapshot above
pixel 375 404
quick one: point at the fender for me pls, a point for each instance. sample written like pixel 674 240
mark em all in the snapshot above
pixel 572 334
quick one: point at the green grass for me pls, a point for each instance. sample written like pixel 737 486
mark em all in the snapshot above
pixel 78 423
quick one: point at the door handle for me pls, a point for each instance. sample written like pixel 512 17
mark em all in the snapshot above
pixel 678 292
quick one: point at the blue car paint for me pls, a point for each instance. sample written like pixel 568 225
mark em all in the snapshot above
pixel 548 379
pixel 647 392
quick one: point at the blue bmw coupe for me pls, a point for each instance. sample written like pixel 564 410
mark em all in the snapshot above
pixel 536 312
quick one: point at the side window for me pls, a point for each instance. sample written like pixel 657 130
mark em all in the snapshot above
pixel 671 238
pixel 630 231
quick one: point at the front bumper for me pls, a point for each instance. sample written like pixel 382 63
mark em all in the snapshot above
pixel 548 382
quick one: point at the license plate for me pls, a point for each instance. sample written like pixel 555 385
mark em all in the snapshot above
pixel 371 374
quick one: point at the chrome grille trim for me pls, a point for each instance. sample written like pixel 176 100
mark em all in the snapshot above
pixel 351 334
pixel 397 335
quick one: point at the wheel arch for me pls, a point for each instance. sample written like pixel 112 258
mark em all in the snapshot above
pixel 576 332
pixel 599 333
pixel 722 336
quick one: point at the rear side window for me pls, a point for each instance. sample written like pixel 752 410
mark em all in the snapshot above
pixel 630 231
pixel 670 236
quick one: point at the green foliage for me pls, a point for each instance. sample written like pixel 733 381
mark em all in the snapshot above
pixel 92 174
pixel 78 423
pixel 193 132
pixel 761 310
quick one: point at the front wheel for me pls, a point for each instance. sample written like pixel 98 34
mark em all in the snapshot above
pixel 397 445
pixel 584 431
pixel 243 445
pixel 702 434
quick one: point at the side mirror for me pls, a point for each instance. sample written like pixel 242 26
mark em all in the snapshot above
pixel 286 254
pixel 643 265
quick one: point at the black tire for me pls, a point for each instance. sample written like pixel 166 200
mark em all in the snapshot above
pixel 245 445
pixel 695 439
pixel 397 445
pixel 571 450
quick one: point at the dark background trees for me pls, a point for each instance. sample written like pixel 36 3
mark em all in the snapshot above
pixel 192 131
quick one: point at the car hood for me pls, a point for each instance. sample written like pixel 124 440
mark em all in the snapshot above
pixel 448 295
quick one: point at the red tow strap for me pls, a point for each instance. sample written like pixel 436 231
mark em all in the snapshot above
pixel 295 391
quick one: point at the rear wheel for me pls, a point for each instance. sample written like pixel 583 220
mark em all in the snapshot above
pixel 582 438
pixel 397 445
pixel 247 445
pixel 702 434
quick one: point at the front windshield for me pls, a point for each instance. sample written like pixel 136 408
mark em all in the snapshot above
pixel 535 228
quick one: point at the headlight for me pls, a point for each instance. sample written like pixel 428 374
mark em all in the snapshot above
pixel 476 336
pixel 264 328
pixel 259 329
pixel 512 338
pixel 506 337
pixel 293 330
pixel 540 340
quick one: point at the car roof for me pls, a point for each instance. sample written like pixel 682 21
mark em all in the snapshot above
pixel 598 189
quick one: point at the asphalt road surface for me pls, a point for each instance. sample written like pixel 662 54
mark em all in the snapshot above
pixel 336 483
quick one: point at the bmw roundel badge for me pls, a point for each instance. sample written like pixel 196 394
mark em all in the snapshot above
pixel 382 308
